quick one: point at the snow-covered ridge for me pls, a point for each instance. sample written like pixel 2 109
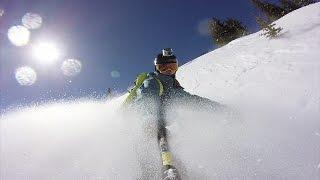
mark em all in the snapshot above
pixel 257 63
pixel 275 84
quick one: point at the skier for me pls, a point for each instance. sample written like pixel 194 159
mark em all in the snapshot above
pixel 163 88
pixel 157 91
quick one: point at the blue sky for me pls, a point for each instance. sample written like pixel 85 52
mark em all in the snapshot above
pixel 106 36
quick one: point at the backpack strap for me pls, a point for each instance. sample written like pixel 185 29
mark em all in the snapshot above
pixel 161 90
pixel 138 83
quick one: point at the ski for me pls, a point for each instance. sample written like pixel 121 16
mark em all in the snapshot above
pixel 169 171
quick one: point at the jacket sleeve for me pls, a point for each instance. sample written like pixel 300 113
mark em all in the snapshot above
pixel 201 102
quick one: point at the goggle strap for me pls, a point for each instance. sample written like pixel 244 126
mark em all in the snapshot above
pixel 167 62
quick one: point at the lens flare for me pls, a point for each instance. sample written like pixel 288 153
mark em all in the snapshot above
pixel 32 21
pixel 71 67
pixel 203 27
pixel 26 76
pixel 115 74
pixel 1 12
pixel 45 52
pixel 19 35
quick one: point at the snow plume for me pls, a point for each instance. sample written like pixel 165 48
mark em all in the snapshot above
pixel 79 140
pixel 275 85
pixel 91 140
pixel 262 145
pixel 82 140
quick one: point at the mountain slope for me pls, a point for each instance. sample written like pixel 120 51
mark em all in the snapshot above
pixel 275 84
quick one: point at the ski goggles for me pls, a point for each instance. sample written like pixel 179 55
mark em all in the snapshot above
pixel 163 67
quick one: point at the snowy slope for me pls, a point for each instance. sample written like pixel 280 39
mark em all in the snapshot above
pixel 275 84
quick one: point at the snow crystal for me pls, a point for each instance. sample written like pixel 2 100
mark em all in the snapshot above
pixel 259 160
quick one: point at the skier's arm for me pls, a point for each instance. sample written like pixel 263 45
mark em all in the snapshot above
pixel 202 103
pixel 208 105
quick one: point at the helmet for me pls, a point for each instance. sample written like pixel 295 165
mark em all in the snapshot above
pixel 165 57
pixel 166 63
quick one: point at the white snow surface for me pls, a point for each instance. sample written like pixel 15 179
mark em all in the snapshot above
pixel 274 84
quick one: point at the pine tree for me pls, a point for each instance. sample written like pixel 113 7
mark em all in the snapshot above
pixel 289 5
pixel 270 31
pixel 272 11
pixel 225 31
pixel 217 31
pixel 263 23
pixel 302 3
pixel 235 29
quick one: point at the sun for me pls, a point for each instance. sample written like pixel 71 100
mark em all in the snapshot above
pixel 45 52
